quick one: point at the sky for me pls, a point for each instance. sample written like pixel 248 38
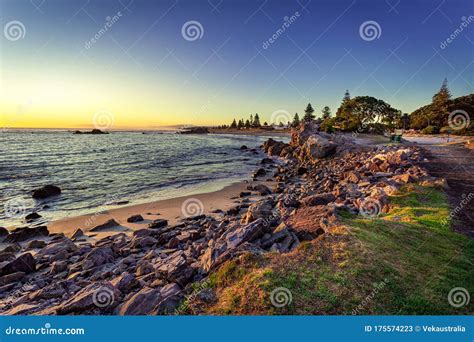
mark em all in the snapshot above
pixel 143 64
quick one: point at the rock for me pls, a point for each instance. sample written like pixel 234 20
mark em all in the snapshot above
pixel 207 296
pixel 22 234
pixel 267 161
pixel 125 282
pixel 107 225
pixel 36 244
pixel 7 256
pixel 310 222
pixel 194 130
pixel 301 170
pixel 78 233
pixel 319 199
pixel 249 232
pixel 24 263
pixel 101 295
pixel 404 178
pixel 273 148
pixel 3 233
pixel 260 172
pixel 98 256
pixel 317 147
pixel 11 278
pixel 135 218
pixel 142 303
pixel 46 191
pixel 245 194
pixel 58 267
pixel 243 147
pixel 260 209
pixel 301 135
pixel 171 299
pixel 142 242
pixel 32 216
pixel 12 248
pixel 158 223
pixel 261 189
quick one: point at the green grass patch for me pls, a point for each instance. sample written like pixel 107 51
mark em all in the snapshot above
pixel 403 262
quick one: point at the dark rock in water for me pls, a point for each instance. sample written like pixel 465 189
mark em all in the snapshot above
pixel 267 161
pixel 109 224
pixel 135 218
pixel 102 295
pixel 46 191
pixel 94 131
pixel 22 234
pixel 243 147
pixel 273 147
pixel 194 130
pixel 260 172
pixel 24 263
pixel 32 217
pixel 158 223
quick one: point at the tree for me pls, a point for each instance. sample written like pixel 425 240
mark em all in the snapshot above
pixel 233 124
pixel 326 113
pixel 256 121
pixel 296 120
pixel 247 123
pixel 265 123
pixel 240 125
pixel 346 97
pixel 251 120
pixel 308 113
pixel 438 115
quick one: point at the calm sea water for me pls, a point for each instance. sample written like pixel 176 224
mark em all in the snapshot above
pixel 122 166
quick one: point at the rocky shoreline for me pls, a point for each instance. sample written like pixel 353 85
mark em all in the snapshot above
pixel 152 271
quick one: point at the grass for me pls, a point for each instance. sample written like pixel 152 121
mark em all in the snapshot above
pixel 403 262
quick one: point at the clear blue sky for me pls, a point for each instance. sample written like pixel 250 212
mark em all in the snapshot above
pixel 147 74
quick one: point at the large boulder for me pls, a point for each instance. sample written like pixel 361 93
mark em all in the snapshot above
pixel 317 147
pixel 24 263
pixel 246 233
pixel 101 295
pixel 305 130
pixel 141 303
pixel 46 191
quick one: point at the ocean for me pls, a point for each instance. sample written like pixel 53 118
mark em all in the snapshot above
pixel 116 169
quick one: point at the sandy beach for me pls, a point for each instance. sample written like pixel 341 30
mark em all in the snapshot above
pixel 173 210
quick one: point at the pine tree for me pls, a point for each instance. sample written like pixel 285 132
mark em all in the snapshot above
pixel 326 113
pixel 256 121
pixel 251 120
pixel 346 97
pixel 247 123
pixel 308 116
pixel 296 120
pixel 438 115
pixel 233 124
pixel 240 124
